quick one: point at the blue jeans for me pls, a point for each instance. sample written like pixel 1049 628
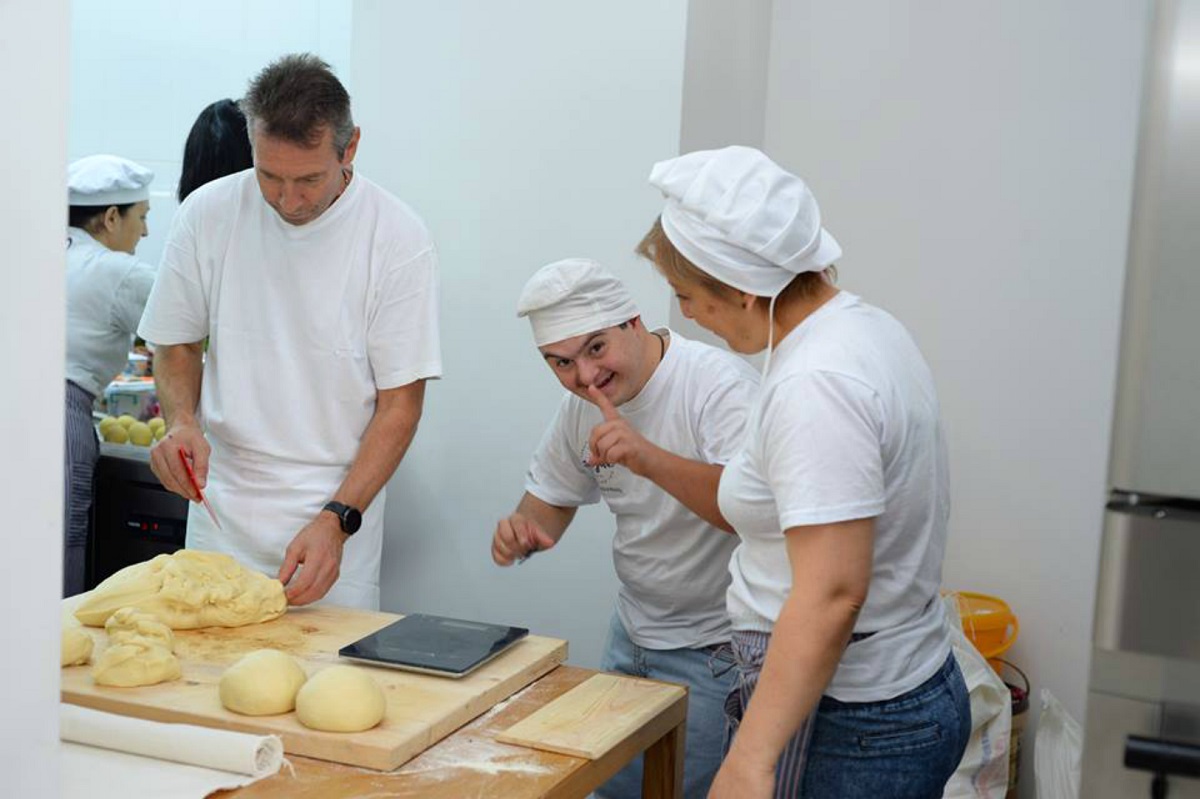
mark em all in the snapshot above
pixel 901 748
pixel 708 673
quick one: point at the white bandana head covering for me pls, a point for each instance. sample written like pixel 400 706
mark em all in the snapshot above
pixel 741 218
pixel 571 297
pixel 107 180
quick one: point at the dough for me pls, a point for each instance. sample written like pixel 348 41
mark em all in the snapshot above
pixel 187 590
pixel 262 683
pixel 76 645
pixel 136 661
pixel 140 651
pixel 129 623
pixel 340 699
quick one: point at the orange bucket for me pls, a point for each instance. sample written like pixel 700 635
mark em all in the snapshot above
pixel 988 622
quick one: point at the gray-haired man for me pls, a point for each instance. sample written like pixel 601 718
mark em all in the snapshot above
pixel 317 293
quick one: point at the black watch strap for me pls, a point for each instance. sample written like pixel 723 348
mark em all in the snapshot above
pixel 349 518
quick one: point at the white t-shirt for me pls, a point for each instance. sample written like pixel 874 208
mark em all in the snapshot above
pixel 673 566
pixel 106 292
pixel 847 426
pixel 305 324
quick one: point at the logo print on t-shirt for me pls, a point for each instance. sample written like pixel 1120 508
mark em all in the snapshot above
pixel 605 473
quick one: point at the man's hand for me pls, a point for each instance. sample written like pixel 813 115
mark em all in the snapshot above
pixel 165 463
pixel 615 441
pixel 518 536
pixel 737 778
pixel 317 550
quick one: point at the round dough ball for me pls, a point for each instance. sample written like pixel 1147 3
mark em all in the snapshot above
pixel 125 420
pixel 106 424
pixel 340 699
pixel 262 683
pixel 156 423
pixel 159 432
pixel 117 434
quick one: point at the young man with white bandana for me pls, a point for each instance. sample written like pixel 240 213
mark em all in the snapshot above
pixel 650 420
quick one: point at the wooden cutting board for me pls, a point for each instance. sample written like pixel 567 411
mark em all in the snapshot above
pixel 421 709
pixel 594 716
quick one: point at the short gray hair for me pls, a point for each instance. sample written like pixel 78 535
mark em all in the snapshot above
pixel 295 98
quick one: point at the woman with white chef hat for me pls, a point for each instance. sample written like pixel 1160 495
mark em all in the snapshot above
pixel 107 287
pixel 840 497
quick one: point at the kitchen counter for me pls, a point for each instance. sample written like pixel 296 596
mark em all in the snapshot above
pixel 470 762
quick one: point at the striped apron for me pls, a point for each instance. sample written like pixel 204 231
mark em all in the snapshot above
pixel 82 449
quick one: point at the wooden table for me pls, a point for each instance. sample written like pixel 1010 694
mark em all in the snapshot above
pixel 470 763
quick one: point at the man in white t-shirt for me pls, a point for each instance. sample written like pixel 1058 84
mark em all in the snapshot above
pixel 656 463
pixel 316 291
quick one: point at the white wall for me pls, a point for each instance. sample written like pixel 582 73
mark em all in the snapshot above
pixel 142 70
pixel 975 160
pixel 522 133
pixel 33 45
pixel 724 93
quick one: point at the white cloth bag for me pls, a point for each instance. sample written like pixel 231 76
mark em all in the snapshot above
pixel 1057 751
pixel 983 771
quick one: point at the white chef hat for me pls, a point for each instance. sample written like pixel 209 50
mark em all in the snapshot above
pixel 107 180
pixel 741 218
pixel 571 297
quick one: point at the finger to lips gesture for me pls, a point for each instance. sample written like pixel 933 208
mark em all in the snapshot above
pixel 516 537
pixel 614 440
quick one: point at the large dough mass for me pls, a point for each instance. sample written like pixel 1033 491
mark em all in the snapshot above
pixel 187 590
pixel 262 683
pixel 340 699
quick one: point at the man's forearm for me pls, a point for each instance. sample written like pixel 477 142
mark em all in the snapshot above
pixel 693 483
pixel 551 518
pixel 177 374
pixel 384 443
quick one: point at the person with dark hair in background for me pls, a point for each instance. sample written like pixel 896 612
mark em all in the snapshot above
pixel 216 146
pixel 108 199
pixel 317 291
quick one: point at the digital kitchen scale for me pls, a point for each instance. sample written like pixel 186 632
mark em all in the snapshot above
pixel 434 645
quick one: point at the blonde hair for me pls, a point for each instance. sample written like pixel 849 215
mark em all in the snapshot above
pixel 657 248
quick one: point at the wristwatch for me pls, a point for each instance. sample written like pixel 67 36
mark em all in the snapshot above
pixel 350 518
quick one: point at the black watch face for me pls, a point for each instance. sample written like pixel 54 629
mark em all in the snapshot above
pixel 351 520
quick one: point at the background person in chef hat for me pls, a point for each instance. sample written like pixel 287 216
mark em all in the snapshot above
pixel 649 419
pixel 108 200
pixel 840 499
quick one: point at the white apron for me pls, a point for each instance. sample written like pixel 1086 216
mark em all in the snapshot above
pixel 264 502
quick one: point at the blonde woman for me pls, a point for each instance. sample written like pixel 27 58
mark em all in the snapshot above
pixel 847 687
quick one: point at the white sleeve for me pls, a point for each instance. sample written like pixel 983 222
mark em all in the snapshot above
pixel 722 425
pixel 177 310
pixel 130 297
pixel 820 439
pixel 403 341
pixel 557 474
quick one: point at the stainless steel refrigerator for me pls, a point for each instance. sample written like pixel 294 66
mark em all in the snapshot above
pixel 1142 734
